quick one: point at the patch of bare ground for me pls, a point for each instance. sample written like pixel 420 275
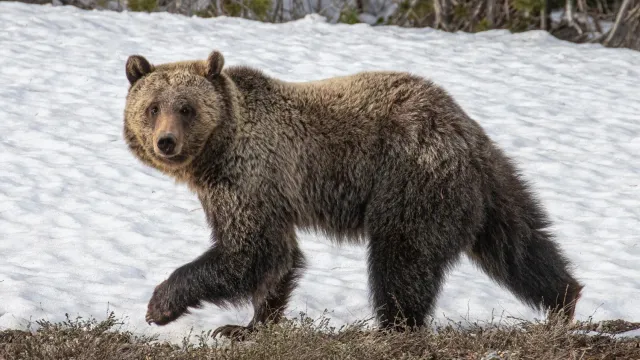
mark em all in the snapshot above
pixel 304 338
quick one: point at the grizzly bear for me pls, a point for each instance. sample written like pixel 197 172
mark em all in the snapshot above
pixel 387 159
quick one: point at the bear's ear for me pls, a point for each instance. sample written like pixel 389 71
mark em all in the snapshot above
pixel 215 62
pixel 137 67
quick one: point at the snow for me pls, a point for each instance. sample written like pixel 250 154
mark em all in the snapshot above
pixel 630 333
pixel 87 229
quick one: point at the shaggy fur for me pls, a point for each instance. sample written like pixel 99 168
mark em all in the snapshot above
pixel 384 158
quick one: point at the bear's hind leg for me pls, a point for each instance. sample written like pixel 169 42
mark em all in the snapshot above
pixel 418 227
pixel 406 273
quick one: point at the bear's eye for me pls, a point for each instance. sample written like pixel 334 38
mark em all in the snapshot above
pixel 153 110
pixel 186 110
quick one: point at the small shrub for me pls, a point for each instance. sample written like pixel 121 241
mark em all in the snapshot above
pixel 482 25
pixel 143 5
pixel 349 16
pixel 260 8
pixel 422 10
pixel 528 7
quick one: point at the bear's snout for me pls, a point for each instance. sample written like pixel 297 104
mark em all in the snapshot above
pixel 167 144
pixel 168 136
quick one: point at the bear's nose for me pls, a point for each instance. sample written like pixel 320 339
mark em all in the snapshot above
pixel 167 144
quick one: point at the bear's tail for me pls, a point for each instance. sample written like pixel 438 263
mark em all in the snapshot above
pixel 515 248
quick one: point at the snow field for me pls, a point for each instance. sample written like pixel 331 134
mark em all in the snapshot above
pixel 85 228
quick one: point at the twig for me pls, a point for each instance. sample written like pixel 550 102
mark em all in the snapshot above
pixel 616 25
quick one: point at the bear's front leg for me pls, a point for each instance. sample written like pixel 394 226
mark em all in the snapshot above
pixel 231 272
pixel 269 308
pixel 216 276
pixel 172 297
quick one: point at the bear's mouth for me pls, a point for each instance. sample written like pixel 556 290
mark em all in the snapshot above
pixel 172 160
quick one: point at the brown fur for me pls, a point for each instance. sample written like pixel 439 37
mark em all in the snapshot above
pixel 384 158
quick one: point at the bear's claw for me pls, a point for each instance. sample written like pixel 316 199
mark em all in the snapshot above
pixel 234 332
pixel 162 308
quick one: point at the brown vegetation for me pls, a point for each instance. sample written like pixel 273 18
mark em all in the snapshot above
pixel 613 23
pixel 303 338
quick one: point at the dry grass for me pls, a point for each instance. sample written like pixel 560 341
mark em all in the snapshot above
pixel 305 339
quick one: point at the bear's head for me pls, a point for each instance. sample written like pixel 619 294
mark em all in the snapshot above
pixel 172 109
